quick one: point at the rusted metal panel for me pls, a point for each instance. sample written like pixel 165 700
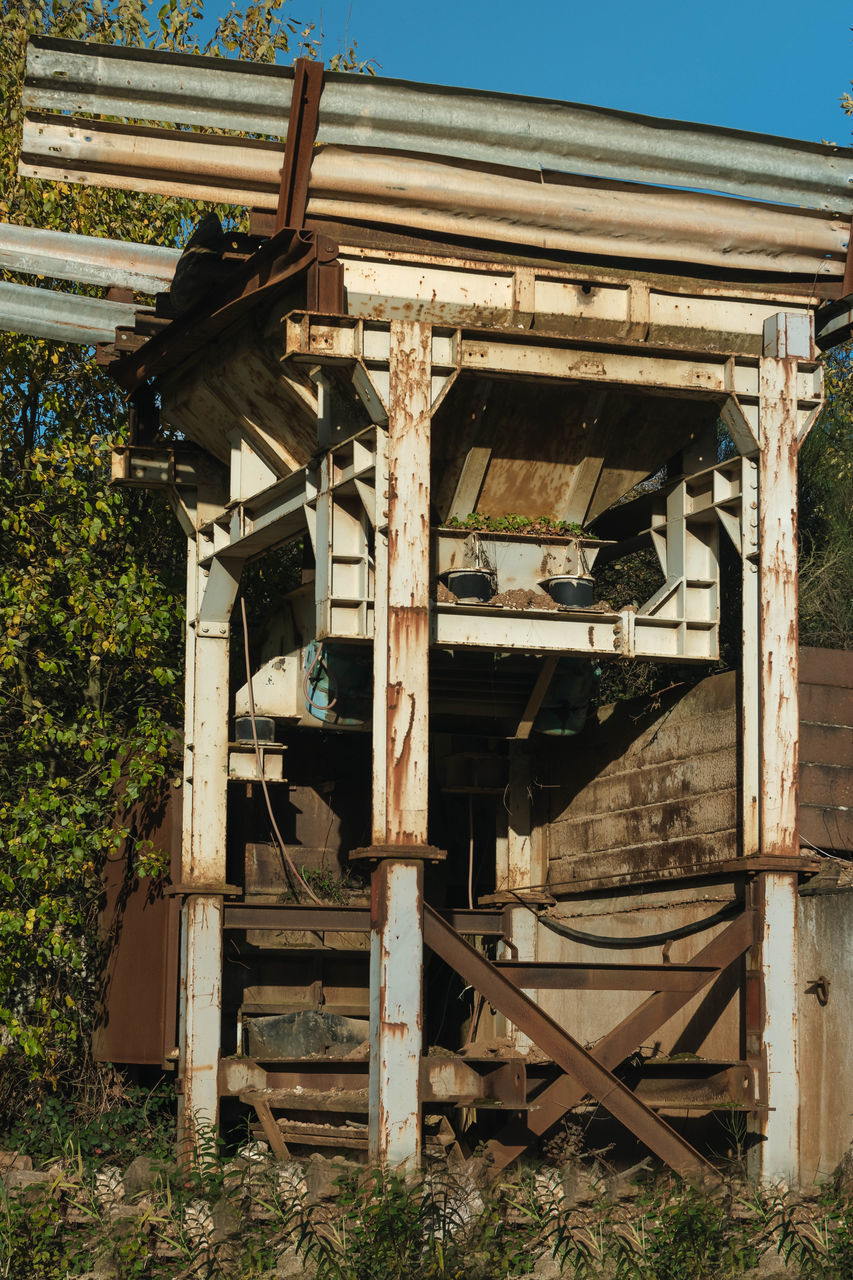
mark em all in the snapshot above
pixel 826 828
pixel 591 1076
pixel 827 666
pixel 137 1022
pixel 827 704
pixel 827 786
pixel 826 1030
pixel 654 791
pixel 823 744
pixel 632 438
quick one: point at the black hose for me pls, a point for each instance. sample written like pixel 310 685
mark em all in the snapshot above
pixel 650 940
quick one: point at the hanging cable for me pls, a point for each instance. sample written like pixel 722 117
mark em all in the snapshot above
pixel 625 943
pixel 282 848
pixel 470 852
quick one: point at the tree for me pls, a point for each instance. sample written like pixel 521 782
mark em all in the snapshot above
pixel 826 514
pixel 91 578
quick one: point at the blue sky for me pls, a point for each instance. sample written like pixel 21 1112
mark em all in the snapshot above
pixel 771 67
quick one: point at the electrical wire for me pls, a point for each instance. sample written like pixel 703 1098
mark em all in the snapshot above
pixel 278 837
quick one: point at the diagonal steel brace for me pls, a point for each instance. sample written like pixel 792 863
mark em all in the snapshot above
pixel 565 1093
pixel 591 1076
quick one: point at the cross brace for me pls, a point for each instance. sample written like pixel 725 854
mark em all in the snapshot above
pixel 591 1076
pixel 566 1092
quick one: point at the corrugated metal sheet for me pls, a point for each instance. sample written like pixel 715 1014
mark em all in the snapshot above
pixel 483 128
pixel 67 317
pixel 146 268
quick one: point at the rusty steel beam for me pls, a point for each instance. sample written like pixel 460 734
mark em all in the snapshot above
pixel 565 1093
pixel 591 1076
pixel 544 975
pixel 299 146
pixel 480 923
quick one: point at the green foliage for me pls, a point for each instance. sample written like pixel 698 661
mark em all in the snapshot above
pixel 91 577
pixel 826 514
pixel 387 1227
pixel 511 523
pixel 120 1121
pixel 237 1218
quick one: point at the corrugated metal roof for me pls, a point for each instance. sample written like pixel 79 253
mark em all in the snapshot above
pixel 479 127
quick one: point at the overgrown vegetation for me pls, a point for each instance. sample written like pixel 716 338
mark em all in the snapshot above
pixel 251 1217
pixel 513 523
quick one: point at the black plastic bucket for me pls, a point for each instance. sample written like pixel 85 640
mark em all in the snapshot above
pixel 470 586
pixel 569 589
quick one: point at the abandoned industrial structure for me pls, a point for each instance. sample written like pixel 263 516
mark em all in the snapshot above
pixel 472 352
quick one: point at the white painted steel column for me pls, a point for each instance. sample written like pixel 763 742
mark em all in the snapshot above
pixel 400 749
pixel 406 690
pixel 210 597
pixel 779 735
pixel 396 1013
pixel 777 506
pixel 750 661
pixel 522 872
pixel 780 1151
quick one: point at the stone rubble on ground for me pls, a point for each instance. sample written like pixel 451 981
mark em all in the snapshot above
pixel 142 1174
pixel 28 1184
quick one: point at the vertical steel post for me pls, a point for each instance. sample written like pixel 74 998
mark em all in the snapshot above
pixel 400 747
pixel 522 873
pixel 750 660
pixel 779 736
pixel 396 1013
pixel 210 597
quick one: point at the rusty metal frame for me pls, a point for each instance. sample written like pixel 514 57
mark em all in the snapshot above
pixel 565 1093
pixel 589 1073
pixel 481 923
